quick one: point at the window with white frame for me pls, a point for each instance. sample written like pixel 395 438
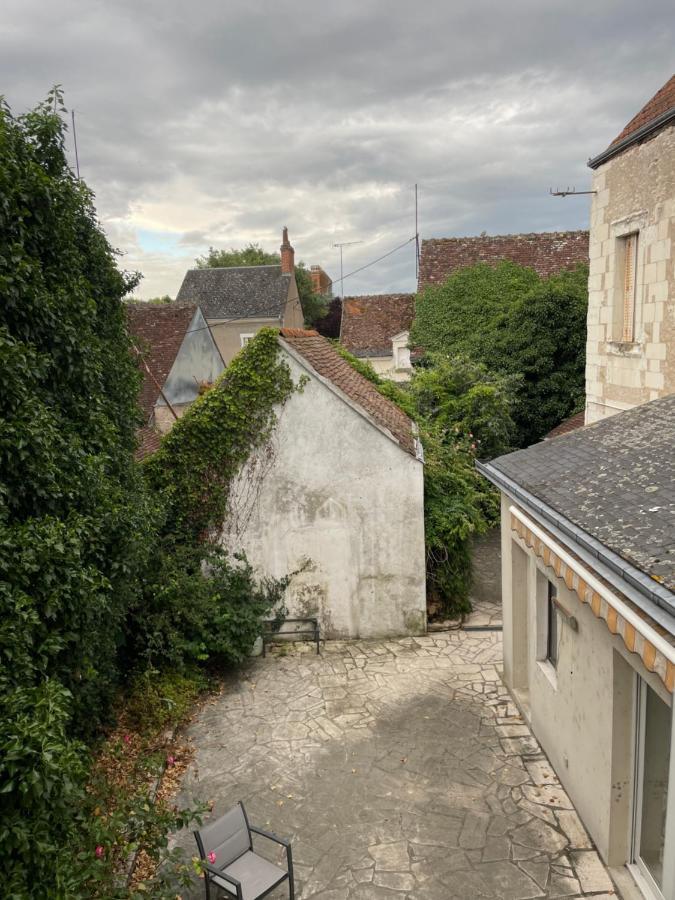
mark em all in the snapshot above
pixel 626 293
pixel 245 338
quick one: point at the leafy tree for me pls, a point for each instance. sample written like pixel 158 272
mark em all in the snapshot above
pixel 313 305
pixel 514 322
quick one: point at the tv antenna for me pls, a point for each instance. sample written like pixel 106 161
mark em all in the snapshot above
pixel 340 247
pixel 568 192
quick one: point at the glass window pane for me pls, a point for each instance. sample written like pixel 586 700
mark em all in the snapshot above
pixel 655 784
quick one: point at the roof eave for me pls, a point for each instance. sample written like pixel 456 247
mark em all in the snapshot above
pixel 626 577
pixel 644 132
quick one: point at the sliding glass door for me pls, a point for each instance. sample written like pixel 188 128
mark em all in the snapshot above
pixel 652 760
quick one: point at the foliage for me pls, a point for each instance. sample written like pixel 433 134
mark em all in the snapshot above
pixel 160 301
pixel 516 323
pixel 462 396
pixel 102 571
pixel 66 826
pixel 447 401
pixel 204 450
pixel 157 699
pixel 314 306
pixel 329 324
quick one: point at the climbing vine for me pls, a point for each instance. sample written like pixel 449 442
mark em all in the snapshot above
pixel 198 459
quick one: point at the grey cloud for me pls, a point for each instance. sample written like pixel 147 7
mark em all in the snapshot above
pixel 221 122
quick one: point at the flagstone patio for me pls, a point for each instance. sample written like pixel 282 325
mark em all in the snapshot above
pixel 399 769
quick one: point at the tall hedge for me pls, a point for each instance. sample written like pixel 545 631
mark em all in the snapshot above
pixel 515 323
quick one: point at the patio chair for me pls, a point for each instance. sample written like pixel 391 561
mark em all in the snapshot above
pixel 235 868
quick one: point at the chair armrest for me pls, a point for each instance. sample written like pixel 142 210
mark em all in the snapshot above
pixel 213 870
pixel 270 836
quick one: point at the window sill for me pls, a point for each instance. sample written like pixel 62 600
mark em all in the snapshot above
pixel 549 672
pixel 625 348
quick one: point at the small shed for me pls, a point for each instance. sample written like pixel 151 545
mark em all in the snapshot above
pixel 336 496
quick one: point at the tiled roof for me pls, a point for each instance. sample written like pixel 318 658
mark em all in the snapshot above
pixel 546 252
pixel 662 101
pixel 148 441
pixel 571 424
pixel 327 362
pixel 369 323
pixel 158 332
pixel 238 292
pixel 615 480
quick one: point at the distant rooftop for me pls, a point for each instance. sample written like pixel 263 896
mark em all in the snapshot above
pixel 547 252
pixel 158 331
pixel 237 292
pixel 370 322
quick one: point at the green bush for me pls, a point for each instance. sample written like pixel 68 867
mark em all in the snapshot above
pixel 157 699
pixel 515 323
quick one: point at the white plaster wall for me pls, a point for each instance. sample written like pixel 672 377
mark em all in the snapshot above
pixel 335 491
pixel 582 711
pixel 386 368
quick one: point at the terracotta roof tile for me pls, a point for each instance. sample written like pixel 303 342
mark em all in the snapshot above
pixel 148 441
pixel 571 424
pixel 324 359
pixel 158 332
pixel 370 322
pixel 545 252
pixel 662 101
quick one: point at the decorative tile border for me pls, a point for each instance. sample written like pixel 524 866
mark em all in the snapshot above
pixel 636 639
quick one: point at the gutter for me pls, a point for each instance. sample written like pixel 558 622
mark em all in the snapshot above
pixel 640 135
pixel 635 584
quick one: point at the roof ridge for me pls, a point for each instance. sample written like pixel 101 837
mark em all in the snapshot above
pixel 517 234
pixel 233 268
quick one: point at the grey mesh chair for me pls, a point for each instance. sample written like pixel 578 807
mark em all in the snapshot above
pixel 235 867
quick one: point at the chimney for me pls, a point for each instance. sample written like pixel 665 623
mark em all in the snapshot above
pixel 321 283
pixel 287 255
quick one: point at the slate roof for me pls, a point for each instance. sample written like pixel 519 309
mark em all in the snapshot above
pixel 546 252
pixel 656 114
pixel 158 332
pixel 238 292
pixel 324 359
pixel 567 425
pixel 615 480
pixel 370 322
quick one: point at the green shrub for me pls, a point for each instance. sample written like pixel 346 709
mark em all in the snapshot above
pixel 156 699
pixel 517 324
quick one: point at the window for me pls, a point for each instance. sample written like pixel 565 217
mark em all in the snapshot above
pixel 627 272
pixel 245 338
pixel 552 626
pixel 652 760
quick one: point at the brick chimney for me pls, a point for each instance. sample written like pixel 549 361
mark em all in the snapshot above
pixel 287 254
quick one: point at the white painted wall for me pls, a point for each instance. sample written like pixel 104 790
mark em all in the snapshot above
pixel 334 490
pixel 582 712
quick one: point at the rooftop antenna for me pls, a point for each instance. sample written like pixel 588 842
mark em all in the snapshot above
pixel 340 246
pixel 417 241
pixel 77 160
pixel 568 192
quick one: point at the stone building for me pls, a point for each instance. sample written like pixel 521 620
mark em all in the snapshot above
pixel 377 328
pixel 238 301
pixel 338 494
pixel 630 351
pixel 177 357
pixel 546 252
pixel 588 534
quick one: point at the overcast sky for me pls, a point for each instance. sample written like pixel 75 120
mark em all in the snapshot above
pixel 216 122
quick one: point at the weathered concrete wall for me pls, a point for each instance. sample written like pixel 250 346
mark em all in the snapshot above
pixel 335 493
pixel 635 192
pixel 582 711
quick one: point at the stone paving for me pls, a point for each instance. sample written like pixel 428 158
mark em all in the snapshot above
pixel 399 769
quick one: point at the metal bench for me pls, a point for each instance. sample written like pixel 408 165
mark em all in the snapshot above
pixel 310 630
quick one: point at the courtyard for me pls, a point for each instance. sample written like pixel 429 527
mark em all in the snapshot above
pixel 398 769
